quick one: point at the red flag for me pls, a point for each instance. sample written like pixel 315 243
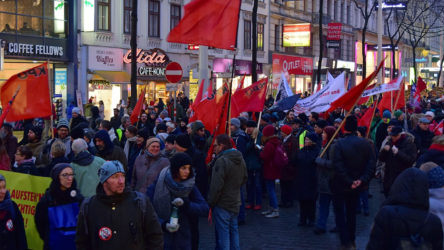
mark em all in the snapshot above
pixel 241 84
pixel 33 100
pixel 210 109
pixel 389 99
pixel 420 86
pixel 439 128
pixel 366 119
pixel 349 99
pixel 249 99
pixel 137 109
pixel 199 94
pixel 208 22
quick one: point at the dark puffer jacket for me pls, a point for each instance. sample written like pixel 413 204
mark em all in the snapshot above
pixel 423 139
pixel 434 154
pixel 404 212
pixel 12 229
pixel 111 152
pixel 306 177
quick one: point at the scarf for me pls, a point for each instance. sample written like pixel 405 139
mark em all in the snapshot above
pixel 6 205
pixel 127 145
pixel 167 189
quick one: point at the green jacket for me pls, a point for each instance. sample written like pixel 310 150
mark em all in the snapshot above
pixel 86 167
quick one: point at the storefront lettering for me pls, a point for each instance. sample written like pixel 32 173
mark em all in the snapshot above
pixel 34 49
pixel 105 60
pixel 151 71
pixel 156 57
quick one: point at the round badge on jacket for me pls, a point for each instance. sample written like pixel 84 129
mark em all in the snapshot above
pixel 105 233
pixel 10 225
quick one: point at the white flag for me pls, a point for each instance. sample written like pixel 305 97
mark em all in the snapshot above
pixel 284 89
pixel 386 87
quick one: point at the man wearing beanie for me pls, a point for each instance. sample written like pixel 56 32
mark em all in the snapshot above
pixel 353 165
pixel 200 137
pixel 77 118
pixel 116 217
pixel 36 142
pixel 423 136
pixel 62 135
pixel 381 130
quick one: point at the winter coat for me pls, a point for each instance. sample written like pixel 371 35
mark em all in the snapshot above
pixel 86 166
pixel 404 212
pixel 240 138
pixel 118 222
pixel 111 152
pixel 12 229
pixel 267 154
pixel 252 157
pixel 56 214
pixel 325 171
pixel 200 169
pixel 423 139
pixel 37 152
pixel 229 173
pixel 290 146
pixel 306 177
pixel 434 154
pixel 353 159
pixel 395 164
pixel 201 143
pixel 46 171
pixel 436 203
pixel 133 152
pixel 146 170
pixel 381 134
pixel 76 121
pixel 26 167
pixel 66 141
pixel 11 145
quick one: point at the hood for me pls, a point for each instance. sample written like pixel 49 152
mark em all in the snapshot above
pixel 103 135
pixel 410 189
pixel 83 158
pixel 437 193
pixel 233 155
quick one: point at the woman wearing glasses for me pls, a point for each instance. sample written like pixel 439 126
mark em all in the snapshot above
pixel 56 212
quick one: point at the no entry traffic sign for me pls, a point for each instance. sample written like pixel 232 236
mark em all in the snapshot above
pixel 173 72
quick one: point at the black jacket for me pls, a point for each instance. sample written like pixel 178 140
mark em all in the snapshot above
pixel 353 159
pixel 395 164
pixel 306 176
pixel 117 222
pixel 12 237
pixel 200 169
pixel 434 154
pixel 27 167
pixel 423 139
pixel 381 134
pixel 404 212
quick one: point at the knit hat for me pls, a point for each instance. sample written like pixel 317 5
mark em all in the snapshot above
pixel 386 114
pixel 76 110
pixel 170 139
pixel 108 169
pixel 268 131
pixel 251 124
pixel 161 126
pixel 398 113
pixel 77 132
pixel 303 117
pixel 2 178
pixel 424 120
pixel 286 129
pixel 430 113
pixel 142 133
pixel 152 140
pixel 37 131
pixel 235 122
pixel 266 117
pixel 394 123
pixel 396 131
pixel 79 145
pixel 170 124
pixel 58 168
pixel 183 140
pixel 436 177
pixel 322 123
pixel 178 160
pixel 63 123
pixel 164 113
pixel 351 123
pixel 196 126
pixel 312 136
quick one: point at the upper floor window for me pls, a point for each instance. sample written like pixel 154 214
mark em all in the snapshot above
pixel 127 8
pixel 247 34
pixel 260 36
pixel 277 37
pixel 175 15
pixel 154 18
pixel 104 15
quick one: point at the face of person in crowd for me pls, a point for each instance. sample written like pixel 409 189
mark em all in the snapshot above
pixel 429 117
pixel 126 123
pixel 189 130
pixel 290 116
pixel 170 129
pixel 75 115
pixel 2 190
pixel 295 126
pixel 389 129
pixel 307 142
pixel 233 128
pixel 401 117
pixel 310 118
pixel 116 113
pixel 395 138
pixel 423 126
pixel 201 132
pixel 317 129
pixel 66 177
pixel 153 116
pixel 144 117
pixel 179 148
pixel 99 143
pixel 128 134
pixel 169 146
pixel 18 156
pixel 385 119
pixel 184 172
pixel 62 132
pixel 217 147
pixel 154 148
pixel 336 124
pixel 31 136
pixel 140 140
pixel 115 184
pixel 249 130
pixel 182 124
pixel 324 136
pixel 157 122
pixel 87 140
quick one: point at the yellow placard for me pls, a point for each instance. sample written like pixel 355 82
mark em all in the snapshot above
pixel 26 190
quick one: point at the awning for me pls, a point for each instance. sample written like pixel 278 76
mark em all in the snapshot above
pixel 114 76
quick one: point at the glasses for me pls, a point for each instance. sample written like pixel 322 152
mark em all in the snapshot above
pixel 216 145
pixel 66 176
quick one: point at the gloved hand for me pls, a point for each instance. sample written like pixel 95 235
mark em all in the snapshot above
pixel 172 227
pixel 395 150
pixel 177 202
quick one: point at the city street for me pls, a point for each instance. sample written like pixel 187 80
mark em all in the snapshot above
pixel 260 233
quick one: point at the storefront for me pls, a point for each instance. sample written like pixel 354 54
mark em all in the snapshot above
pixel 300 71
pixel 222 71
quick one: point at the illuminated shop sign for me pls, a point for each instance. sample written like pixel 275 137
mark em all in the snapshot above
pixel 38 50
pixel 150 62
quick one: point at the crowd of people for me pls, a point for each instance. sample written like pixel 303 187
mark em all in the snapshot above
pixel 144 185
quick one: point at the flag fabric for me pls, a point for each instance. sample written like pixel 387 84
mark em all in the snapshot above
pixel 348 100
pixel 286 103
pixel 241 84
pixel 208 22
pixel 137 109
pixel 284 89
pixel 393 85
pixel 250 99
pixel 389 99
pixel 199 94
pixel 366 119
pixel 420 86
pixel 33 100
pixel 8 107
pixel 438 130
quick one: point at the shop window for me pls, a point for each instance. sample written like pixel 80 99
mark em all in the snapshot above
pixel 127 8
pixel 175 15
pixel 154 19
pixel 55 28
pixel 104 15
pixel 7 23
pixel 27 25
pixel 260 36
pixel 247 34
pixel 8 6
pixel 30 7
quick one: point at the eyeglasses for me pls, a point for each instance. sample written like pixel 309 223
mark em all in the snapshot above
pixel 66 176
pixel 216 145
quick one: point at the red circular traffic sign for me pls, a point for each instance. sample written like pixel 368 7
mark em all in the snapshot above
pixel 173 72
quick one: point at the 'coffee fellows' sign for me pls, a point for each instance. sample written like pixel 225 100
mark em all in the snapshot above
pixel 35 50
pixel 154 60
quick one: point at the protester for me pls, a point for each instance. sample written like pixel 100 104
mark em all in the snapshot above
pixel 175 188
pixel 435 153
pixel 106 125
pixel 115 120
pixel 131 149
pixel 24 162
pixel 229 173
pixel 254 167
pixel 148 166
pixel 381 130
pixel 423 136
pixel 116 217
pixel 9 140
pixel 107 150
pixel 12 228
pixel 120 132
pixel 56 213
pixel 198 136
pixel 85 166
pixel 58 149
pixel 36 143
pixel 169 149
pixel 404 218
pixel 5 162
pixel 161 134
pixel 288 174
pixel 76 119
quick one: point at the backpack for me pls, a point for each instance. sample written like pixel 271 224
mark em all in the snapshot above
pixel 280 158
pixel 416 240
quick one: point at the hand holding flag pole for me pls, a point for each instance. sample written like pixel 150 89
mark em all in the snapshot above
pixel 8 107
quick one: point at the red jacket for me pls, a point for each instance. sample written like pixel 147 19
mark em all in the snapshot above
pixel 267 154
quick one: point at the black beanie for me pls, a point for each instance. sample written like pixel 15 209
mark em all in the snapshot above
pixel 251 124
pixel 77 132
pixel 37 131
pixel 178 160
pixel 351 123
pixel 170 139
pixel 58 168
pixel 183 140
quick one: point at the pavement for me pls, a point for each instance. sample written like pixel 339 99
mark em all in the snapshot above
pixel 260 233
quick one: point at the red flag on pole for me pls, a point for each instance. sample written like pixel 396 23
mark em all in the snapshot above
pixel 33 100
pixel 208 22
pixel 420 86
pixel 249 99
pixel 241 84
pixel 138 108
pixel 388 98
pixel 366 119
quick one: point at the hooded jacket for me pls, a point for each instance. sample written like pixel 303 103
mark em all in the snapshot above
pixel 228 175
pixel 110 152
pixel 267 155
pixel 146 170
pixel 404 212
pixel 12 229
pixel 86 167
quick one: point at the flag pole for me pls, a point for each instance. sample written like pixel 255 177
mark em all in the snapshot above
pixel 375 102
pixel 8 107
pixel 401 88
pixel 50 100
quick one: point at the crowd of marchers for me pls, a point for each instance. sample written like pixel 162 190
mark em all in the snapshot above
pixel 119 185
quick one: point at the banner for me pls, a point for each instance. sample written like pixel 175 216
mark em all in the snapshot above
pixel 284 90
pixel 321 100
pixel 386 87
pixel 26 190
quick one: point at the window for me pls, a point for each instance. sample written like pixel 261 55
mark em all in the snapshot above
pixel 127 8
pixel 247 34
pixel 260 36
pixel 342 14
pixel 154 19
pixel 277 37
pixel 348 15
pixel 175 16
pixel 104 15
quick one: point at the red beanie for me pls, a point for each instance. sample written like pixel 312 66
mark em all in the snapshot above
pixel 286 129
pixel 268 131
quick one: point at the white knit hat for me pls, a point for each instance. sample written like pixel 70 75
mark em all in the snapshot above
pixel 79 145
